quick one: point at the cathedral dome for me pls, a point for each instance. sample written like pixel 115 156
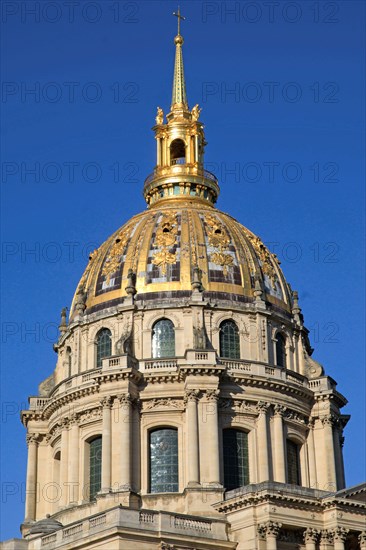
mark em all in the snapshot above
pixel 168 250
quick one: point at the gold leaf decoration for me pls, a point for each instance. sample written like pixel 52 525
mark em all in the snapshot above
pixel 165 239
pixel 113 259
pixel 92 257
pixel 219 238
pixel 265 257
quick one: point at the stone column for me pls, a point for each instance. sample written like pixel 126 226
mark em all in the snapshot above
pixel 337 441
pixel 269 531
pixel 279 466
pixel 327 422
pixel 72 489
pixel 106 444
pixel 362 540
pixel 340 535
pixel 125 427
pixel 262 441
pixel 311 537
pixel 192 437
pixel 213 431
pixel 31 483
pixel 311 455
pixel 64 465
pixel 158 151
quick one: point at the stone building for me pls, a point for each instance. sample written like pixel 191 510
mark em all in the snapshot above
pixel 185 410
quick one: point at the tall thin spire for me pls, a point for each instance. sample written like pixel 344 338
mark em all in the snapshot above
pixel 179 96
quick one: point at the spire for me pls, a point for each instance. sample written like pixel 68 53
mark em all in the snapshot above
pixel 179 96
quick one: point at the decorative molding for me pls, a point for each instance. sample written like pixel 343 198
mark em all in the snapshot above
pixel 167 403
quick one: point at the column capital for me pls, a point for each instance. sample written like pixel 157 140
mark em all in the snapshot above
pixel 270 528
pixel 125 399
pixel 311 535
pixel 262 407
pixel 191 395
pixel 279 410
pixel 33 438
pixel 64 423
pixel 73 420
pixel 106 402
pixel 327 536
pixel 340 534
pixel 212 395
pixel 362 537
pixel 329 420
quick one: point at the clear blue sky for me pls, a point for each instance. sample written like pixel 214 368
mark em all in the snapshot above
pixel 287 145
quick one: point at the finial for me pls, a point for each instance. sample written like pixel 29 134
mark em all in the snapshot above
pixel 258 291
pixel 197 280
pixel 131 283
pixel 179 17
pixel 63 325
pixel 179 97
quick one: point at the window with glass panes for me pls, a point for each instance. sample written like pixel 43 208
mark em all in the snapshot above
pixel 293 463
pixel 95 466
pixel 236 460
pixel 229 340
pixel 104 345
pixel 164 461
pixel 280 351
pixel 163 339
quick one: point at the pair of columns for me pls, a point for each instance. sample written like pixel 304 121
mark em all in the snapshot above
pixel 262 441
pixel 125 463
pixel 212 427
pixel 70 450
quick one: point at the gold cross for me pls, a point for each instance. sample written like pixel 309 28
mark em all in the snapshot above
pixel 179 16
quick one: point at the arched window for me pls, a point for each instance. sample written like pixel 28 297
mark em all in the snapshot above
pixel 177 152
pixel 293 462
pixel 229 340
pixel 163 339
pixel 95 466
pixel 164 460
pixel 281 350
pixel 104 345
pixel 236 460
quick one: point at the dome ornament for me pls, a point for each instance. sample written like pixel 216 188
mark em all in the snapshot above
pixel 63 324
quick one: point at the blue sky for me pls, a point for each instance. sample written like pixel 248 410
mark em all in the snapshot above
pixel 281 87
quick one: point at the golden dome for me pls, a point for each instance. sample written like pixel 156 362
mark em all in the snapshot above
pixel 163 249
pixel 182 243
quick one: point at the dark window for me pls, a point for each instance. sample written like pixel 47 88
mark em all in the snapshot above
pixel 163 339
pixel 164 461
pixel 177 152
pixel 95 466
pixel 293 463
pixel 280 351
pixel 236 461
pixel 104 345
pixel 229 340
